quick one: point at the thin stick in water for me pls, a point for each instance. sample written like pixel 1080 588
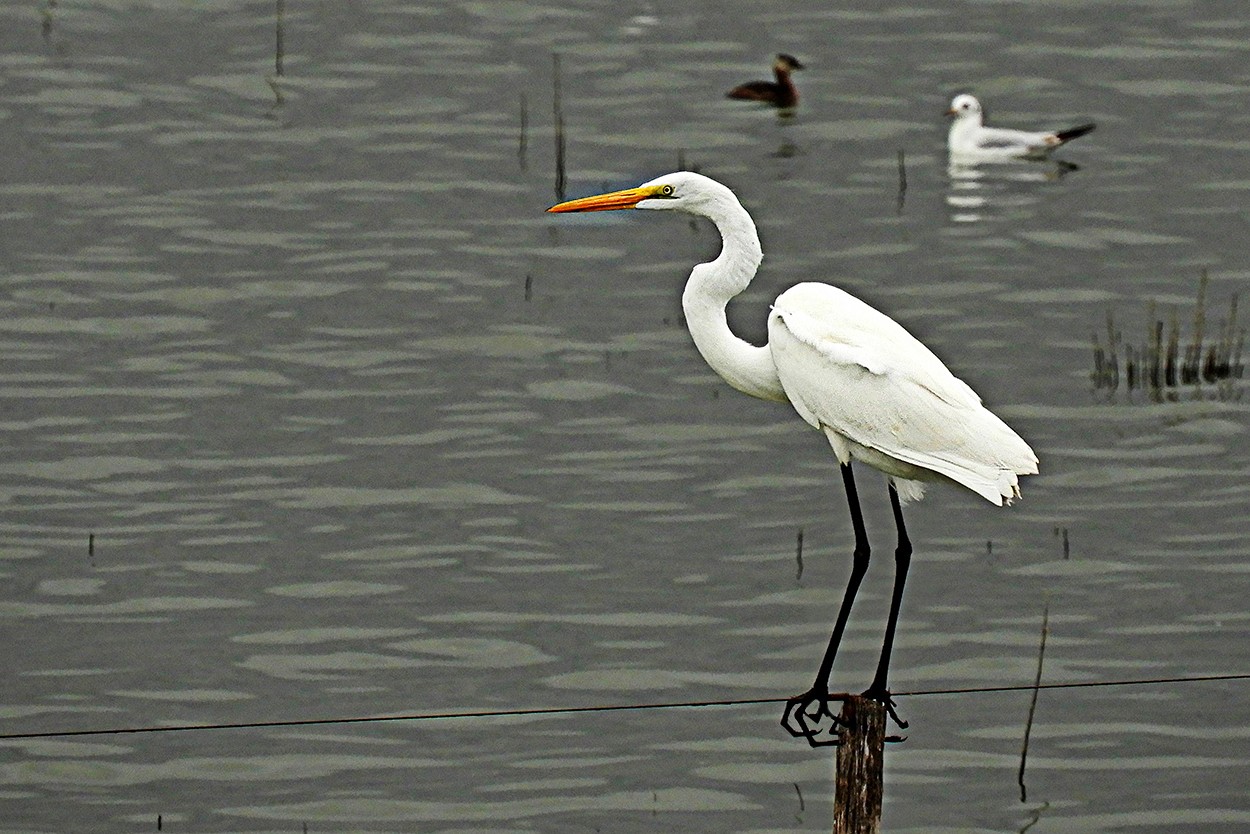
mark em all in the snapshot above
pixel 48 20
pixel 1154 338
pixel 1193 357
pixel 1241 340
pixel 523 139
pixel 1170 373
pixel 798 557
pixel 1037 681
pixel 1230 349
pixel 1232 332
pixel 279 29
pixel 279 51
pixel 1113 361
pixel 1100 361
pixel 1061 533
pixel 902 180
pixel 557 110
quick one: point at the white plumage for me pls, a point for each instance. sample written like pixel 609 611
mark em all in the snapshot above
pixel 970 137
pixel 877 393
pixel 900 410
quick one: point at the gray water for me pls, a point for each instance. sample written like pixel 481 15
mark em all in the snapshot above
pixel 352 428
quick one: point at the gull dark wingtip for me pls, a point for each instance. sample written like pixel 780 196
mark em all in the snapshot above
pixel 1075 132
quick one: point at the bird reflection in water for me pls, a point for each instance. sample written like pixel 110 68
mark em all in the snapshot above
pixel 980 190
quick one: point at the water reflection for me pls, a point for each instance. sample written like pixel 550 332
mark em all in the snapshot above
pixel 786 150
pixel 985 189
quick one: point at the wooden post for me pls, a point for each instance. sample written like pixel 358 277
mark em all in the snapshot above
pixel 860 759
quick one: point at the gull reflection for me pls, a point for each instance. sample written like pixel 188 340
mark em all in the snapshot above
pixel 984 189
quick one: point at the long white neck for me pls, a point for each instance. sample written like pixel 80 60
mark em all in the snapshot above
pixel 746 367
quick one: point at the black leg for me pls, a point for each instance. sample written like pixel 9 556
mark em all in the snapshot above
pixel 902 561
pixel 804 712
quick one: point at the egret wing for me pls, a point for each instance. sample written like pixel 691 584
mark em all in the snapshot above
pixel 852 370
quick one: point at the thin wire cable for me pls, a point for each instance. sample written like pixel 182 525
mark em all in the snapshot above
pixel 543 711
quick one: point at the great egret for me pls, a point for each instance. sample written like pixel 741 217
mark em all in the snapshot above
pixel 971 138
pixel 781 93
pixel 877 393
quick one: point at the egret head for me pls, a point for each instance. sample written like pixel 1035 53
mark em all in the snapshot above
pixel 963 106
pixel 684 190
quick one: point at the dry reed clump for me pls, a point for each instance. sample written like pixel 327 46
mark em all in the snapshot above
pixel 1164 363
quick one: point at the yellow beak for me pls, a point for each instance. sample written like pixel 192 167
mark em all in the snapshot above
pixel 627 199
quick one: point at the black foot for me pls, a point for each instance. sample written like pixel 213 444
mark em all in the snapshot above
pixel 806 716
pixel 883 697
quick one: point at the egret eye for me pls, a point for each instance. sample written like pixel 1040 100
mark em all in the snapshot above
pixel 666 191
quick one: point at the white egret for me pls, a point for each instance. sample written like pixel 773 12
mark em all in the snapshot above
pixel 877 394
pixel 969 137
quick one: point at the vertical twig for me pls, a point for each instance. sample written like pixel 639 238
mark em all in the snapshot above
pixel 1113 360
pixel 902 181
pixel 1100 362
pixel 279 53
pixel 1236 358
pixel 279 49
pixel 798 557
pixel 523 138
pixel 1193 356
pixel 1037 682
pixel 1230 352
pixel 49 18
pixel 1154 339
pixel 1172 351
pixel 1156 352
pixel 557 109
pixel 1232 332
pixel 1061 533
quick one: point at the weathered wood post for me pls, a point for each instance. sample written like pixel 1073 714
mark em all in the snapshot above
pixel 859 764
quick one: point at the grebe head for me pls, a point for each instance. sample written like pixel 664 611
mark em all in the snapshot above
pixel 787 63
